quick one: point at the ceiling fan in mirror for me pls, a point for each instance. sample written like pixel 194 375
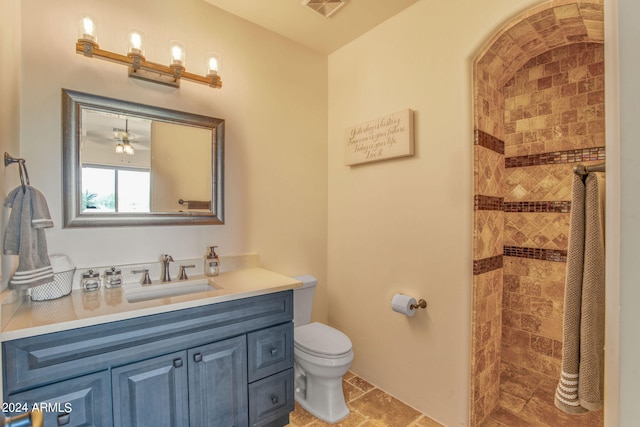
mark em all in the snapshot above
pixel 124 146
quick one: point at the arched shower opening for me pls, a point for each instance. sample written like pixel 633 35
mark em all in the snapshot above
pixel 538 111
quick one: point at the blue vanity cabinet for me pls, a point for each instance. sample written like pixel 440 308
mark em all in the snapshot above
pixel 151 392
pixel 223 364
pixel 82 401
pixel 271 400
pixel 203 386
pixel 271 375
pixel 218 384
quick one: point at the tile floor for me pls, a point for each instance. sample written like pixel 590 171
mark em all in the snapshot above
pixel 369 406
pixel 526 400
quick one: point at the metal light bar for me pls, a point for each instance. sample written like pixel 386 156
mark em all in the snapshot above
pixel 140 68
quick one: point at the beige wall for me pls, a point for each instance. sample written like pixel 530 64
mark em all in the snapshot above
pixel 275 166
pixel 624 168
pixel 10 84
pixel 9 103
pixel 183 174
pixel 405 225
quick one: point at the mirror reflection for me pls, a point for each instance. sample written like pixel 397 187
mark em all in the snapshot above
pixel 131 164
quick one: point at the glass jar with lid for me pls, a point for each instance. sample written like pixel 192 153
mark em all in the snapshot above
pixel 112 278
pixel 90 281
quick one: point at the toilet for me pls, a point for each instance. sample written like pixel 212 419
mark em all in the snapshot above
pixel 322 356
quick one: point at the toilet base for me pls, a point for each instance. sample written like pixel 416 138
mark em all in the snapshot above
pixel 322 397
pixel 337 417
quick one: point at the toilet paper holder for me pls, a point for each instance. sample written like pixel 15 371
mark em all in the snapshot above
pixel 407 305
pixel 421 304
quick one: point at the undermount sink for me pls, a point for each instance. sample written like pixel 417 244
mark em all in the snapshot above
pixel 135 292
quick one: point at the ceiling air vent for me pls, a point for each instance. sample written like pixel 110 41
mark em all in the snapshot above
pixel 325 8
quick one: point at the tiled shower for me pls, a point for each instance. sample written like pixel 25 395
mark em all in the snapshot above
pixel 539 111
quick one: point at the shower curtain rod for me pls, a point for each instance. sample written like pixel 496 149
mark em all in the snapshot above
pixel 583 170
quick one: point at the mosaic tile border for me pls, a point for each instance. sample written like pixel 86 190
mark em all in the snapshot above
pixel 536 253
pixel 538 207
pixel 558 157
pixel 486 140
pixel 486 265
pixel 487 203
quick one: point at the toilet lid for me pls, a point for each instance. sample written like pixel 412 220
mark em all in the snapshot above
pixel 320 339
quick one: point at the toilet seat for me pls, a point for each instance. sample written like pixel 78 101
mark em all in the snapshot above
pixel 320 340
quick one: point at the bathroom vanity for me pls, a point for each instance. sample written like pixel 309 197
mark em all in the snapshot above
pixel 215 358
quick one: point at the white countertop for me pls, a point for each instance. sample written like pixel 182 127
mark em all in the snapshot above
pixel 78 309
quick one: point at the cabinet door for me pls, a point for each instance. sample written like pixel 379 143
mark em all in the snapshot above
pixel 83 401
pixel 218 384
pixel 151 392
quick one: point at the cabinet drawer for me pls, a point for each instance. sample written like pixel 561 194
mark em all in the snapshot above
pixel 270 351
pixel 83 401
pixel 271 400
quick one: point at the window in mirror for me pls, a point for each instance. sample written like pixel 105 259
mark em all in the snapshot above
pixel 106 189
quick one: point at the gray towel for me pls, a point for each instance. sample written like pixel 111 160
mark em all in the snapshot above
pixel 581 383
pixel 25 237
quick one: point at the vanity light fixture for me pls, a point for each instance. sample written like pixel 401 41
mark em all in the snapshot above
pixel 139 67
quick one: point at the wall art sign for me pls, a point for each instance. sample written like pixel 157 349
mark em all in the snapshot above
pixel 383 138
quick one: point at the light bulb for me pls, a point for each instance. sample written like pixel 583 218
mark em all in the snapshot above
pixel 87 29
pixel 87 23
pixel 135 41
pixel 214 64
pixel 177 52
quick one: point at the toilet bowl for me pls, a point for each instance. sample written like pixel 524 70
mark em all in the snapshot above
pixel 322 356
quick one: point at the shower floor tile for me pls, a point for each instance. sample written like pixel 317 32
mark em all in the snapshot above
pixel 532 405
pixel 369 406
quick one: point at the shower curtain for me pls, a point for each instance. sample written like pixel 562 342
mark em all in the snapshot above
pixel 581 381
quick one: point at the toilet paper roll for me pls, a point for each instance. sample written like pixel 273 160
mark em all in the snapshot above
pixel 402 304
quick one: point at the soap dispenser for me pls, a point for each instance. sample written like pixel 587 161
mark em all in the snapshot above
pixel 212 262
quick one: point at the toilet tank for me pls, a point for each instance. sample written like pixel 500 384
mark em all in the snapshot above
pixel 303 300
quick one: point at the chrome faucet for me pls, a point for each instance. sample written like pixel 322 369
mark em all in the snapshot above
pixel 146 280
pixel 166 276
pixel 183 272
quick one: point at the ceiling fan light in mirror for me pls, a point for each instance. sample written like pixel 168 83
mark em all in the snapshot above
pixel 125 148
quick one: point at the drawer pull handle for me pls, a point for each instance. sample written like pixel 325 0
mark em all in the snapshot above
pixel 197 357
pixel 274 351
pixel 274 399
pixel 64 419
pixel 177 363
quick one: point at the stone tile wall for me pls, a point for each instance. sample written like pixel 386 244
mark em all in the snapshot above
pixel 487 245
pixel 554 118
